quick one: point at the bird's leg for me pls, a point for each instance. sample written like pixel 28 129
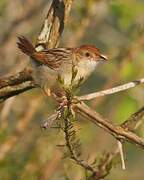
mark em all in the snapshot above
pixel 47 91
pixel 61 98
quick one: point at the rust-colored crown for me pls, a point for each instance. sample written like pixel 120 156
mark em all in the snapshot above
pixel 91 50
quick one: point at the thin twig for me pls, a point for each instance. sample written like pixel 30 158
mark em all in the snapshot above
pixel 120 147
pixel 111 90
pixel 51 119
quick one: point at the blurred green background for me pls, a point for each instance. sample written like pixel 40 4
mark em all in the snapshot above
pixel 114 26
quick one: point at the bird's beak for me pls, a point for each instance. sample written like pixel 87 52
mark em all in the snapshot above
pixel 103 57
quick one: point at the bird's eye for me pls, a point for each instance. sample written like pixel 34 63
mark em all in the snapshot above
pixel 87 54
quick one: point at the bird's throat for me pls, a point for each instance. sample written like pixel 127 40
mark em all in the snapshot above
pixel 84 70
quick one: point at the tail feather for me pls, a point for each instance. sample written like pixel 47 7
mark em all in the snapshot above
pixel 25 46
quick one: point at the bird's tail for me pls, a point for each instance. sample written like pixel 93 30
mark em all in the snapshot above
pixel 25 46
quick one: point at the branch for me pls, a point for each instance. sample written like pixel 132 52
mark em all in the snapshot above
pixel 54 24
pixel 111 90
pixel 117 131
pixel 15 84
pixel 49 36
pixel 129 124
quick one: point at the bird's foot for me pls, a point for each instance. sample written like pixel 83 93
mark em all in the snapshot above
pixel 47 92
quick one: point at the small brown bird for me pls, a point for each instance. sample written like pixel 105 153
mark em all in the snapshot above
pixel 48 64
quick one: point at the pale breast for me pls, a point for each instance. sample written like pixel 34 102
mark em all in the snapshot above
pixel 85 68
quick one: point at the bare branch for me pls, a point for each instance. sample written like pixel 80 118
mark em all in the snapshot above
pixel 117 131
pixel 54 23
pixel 120 147
pixel 111 90
pixel 15 84
pixel 127 124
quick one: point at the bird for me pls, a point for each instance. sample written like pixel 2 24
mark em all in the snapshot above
pixel 49 64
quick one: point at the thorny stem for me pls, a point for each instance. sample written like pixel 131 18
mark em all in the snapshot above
pixel 70 133
pixel 70 146
pixel 71 149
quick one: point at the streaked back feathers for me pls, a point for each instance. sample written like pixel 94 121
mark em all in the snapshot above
pixel 53 58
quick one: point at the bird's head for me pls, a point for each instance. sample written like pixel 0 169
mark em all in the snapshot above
pixel 90 53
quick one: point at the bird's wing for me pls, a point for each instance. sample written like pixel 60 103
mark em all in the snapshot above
pixel 54 58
